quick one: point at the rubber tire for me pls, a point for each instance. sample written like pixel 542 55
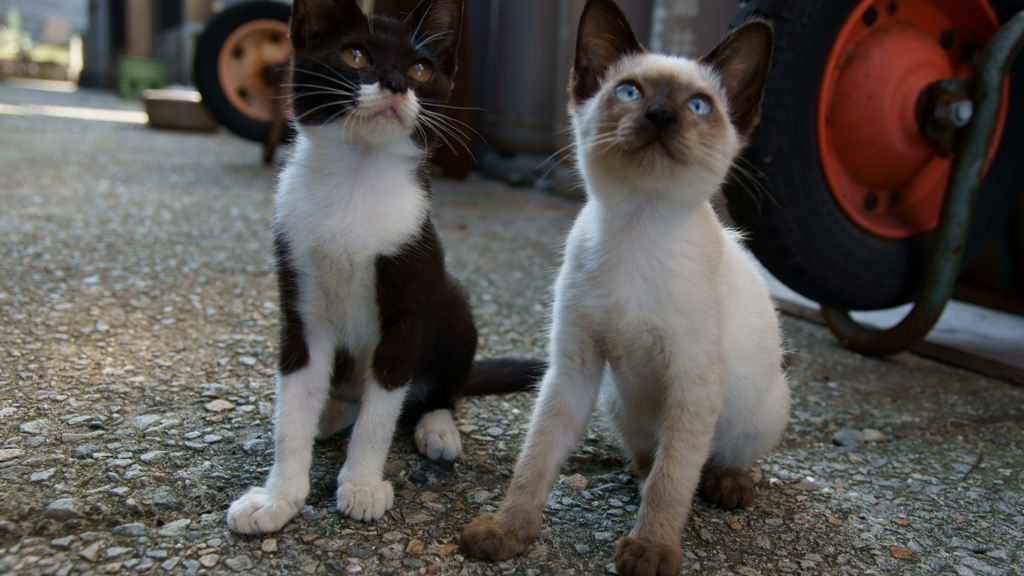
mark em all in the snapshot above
pixel 800 234
pixel 205 69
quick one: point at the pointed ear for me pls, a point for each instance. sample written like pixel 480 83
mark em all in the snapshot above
pixel 742 58
pixel 604 36
pixel 313 21
pixel 437 26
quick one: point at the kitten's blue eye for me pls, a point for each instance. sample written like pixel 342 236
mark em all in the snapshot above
pixel 699 105
pixel 628 92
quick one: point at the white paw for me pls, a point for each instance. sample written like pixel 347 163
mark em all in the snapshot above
pixel 436 436
pixel 365 502
pixel 257 512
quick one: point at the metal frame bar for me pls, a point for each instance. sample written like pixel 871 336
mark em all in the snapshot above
pixel 947 251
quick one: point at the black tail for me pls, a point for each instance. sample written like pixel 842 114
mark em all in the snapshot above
pixel 501 375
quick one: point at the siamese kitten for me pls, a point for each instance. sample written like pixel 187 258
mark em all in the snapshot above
pixel 372 324
pixel 657 306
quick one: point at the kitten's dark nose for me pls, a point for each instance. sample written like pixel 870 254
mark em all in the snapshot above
pixel 393 81
pixel 660 115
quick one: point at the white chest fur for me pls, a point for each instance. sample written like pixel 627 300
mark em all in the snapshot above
pixel 340 208
pixel 642 268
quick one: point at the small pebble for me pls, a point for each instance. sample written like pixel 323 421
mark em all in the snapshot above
pixel 90 553
pixel 415 547
pixel 134 529
pixel 63 509
pixel 10 454
pixel 85 450
pixel 413 563
pixel 39 426
pixel 848 437
pixel 239 563
pixel 417 518
pixel 872 435
pixel 153 457
pixel 176 528
pixel 116 551
pixel 479 496
pixel 359 553
pixel 576 482
pixel 42 476
pixel 219 405
pixel 62 543
pixel 146 420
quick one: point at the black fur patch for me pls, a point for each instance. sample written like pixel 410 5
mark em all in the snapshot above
pixel 425 323
pixel 428 337
pixel 294 353
pixel 344 368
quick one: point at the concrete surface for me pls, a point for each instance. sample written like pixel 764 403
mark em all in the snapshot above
pixel 138 320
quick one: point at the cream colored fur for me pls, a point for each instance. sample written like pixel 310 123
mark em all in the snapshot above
pixel 660 308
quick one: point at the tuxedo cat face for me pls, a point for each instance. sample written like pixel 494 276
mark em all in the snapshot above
pixel 372 75
pixel 664 117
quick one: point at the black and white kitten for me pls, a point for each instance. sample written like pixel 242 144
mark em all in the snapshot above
pixel 372 324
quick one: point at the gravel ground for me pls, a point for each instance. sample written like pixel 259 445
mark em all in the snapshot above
pixel 136 363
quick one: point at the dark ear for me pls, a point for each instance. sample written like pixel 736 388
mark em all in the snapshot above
pixel 437 26
pixel 313 21
pixel 604 37
pixel 743 58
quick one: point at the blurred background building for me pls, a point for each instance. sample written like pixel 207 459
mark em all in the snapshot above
pixel 164 30
pixel 520 56
pixel 42 38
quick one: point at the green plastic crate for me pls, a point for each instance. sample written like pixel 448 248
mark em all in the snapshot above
pixel 137 74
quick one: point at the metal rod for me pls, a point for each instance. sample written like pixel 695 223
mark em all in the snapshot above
pixel 955 220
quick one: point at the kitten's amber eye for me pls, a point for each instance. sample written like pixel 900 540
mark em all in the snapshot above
pixel 421 71
pixel 628 92
pixel 699 104
pixel 355 58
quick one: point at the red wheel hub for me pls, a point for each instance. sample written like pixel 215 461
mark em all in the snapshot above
pixel 245 53
pixel 882 171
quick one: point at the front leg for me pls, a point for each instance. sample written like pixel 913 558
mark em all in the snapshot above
pixel 568 393
pixel 301 395
pixel 692 405
pixel 363 494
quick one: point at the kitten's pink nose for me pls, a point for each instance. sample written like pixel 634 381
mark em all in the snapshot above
pixel 660 114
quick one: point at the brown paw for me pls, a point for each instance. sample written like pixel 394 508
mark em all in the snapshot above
pixel 726 488
pixel 637 558
pixel 485 538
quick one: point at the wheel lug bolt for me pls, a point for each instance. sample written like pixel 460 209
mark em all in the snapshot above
pixel 957 113
pixel 870 16
pixel 870 201
pixel 946 39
